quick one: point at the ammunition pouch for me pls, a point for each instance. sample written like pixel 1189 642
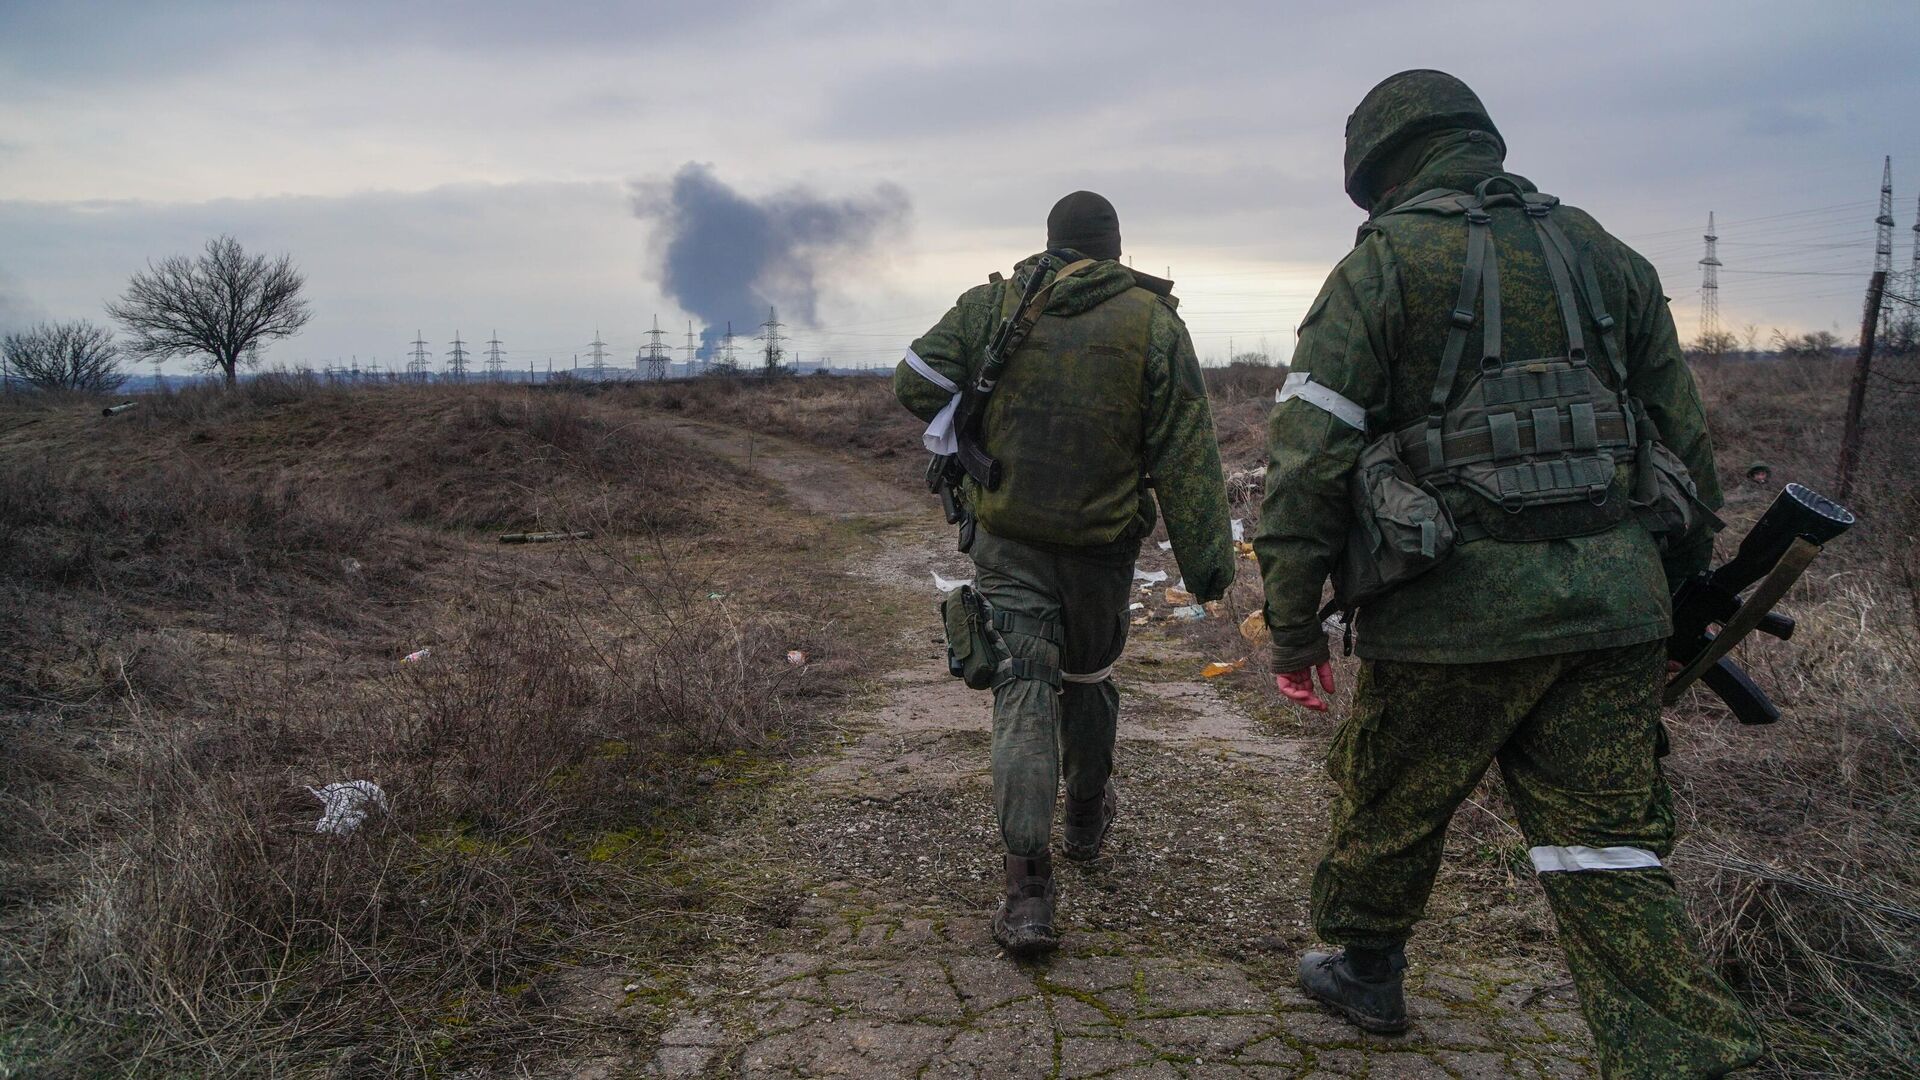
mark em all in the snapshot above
pixel 1665 498
pixel 977 653
pixel 1401 528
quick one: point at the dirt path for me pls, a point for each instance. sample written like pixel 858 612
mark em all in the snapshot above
pixel 876 864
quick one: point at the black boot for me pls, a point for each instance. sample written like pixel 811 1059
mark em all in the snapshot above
pixel 1088 823
pixel 1024 924
pixel 1362 985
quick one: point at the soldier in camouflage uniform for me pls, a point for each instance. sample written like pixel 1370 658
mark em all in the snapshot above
pixel 1539 642
pixel 1100 411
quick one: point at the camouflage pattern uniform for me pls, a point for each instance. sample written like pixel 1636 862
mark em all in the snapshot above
pixel 1544 656
pixel 1058 539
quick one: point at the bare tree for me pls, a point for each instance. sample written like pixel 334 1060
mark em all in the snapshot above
pixel 65 356
pixel 218 307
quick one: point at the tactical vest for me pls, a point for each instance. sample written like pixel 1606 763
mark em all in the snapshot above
pixel 1067 423
pixel 1541 448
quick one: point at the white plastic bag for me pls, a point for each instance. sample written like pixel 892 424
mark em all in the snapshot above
pixel 345 803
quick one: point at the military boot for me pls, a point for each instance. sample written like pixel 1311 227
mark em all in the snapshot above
pixel 1362 985
pixel 1087 824
pixel 1024 924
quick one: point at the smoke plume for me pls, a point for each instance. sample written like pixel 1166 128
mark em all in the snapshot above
pixel 728 256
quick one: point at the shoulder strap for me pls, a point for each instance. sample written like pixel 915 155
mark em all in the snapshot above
pixel 1555 239
pixel 1481 272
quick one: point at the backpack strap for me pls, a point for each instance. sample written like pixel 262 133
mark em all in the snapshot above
pixel 1556 238
pixel 1481 270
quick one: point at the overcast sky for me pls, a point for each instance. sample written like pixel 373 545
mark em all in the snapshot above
pixel 473 167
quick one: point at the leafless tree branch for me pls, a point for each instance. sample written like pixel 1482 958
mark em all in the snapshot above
pixel 65 356
pixel 217 307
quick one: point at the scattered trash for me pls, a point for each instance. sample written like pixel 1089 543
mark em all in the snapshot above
pixel 716 596
pixel 1178 595
pixel 1245 549
pixel 345 805
pixel 1760 472
pixel 545 537
pixel 1189 613
pixel 115 410
pixel 1151 577
pixel 1135 606
pixel 1166 545
pixel 351 566
pixel 1246 484
pixel 417 656
pixel 1217 668
pixel 1141 621
pixel 1334 624
pixel 796 657
pixel 947 585
pixel 1239 531
pixel 1254 628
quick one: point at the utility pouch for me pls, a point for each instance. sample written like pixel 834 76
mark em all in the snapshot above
pixel 1401 528
pixel 974 649
pixel 1665 498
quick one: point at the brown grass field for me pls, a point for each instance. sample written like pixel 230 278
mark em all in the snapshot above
pixel 204 605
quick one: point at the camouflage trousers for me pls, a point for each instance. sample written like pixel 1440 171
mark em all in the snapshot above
pixel 1577 738
pixel 1069 613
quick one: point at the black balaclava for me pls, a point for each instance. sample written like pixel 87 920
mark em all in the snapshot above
pixel 1086 223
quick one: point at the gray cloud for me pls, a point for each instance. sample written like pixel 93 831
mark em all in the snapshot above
pixel 727 257
pixel 1216 129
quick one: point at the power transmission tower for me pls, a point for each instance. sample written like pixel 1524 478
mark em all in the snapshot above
pixel 598 365
pixel 654 353
pixel 729 359
pixel 417 361
pixel 1710 293
pixel 1883 235
pixel 1916 252
pixel 693 350
pixel 457 359
pixel 772 353
pixel 496 363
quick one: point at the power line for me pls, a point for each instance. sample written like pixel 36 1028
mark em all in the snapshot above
pixel 598 365
pixel 417 360
pixel 1883 233
pixel 1710 292
pixel 496 363
pixel 693 350
pixel 457 359
pixel 654 353
pixel 772 336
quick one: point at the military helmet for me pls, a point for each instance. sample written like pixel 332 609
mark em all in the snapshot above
pixel 1401 108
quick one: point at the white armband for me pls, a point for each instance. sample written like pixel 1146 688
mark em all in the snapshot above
pixel 1300 385
pixel 939 438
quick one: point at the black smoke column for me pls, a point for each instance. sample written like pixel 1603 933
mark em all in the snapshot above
pixel 728 256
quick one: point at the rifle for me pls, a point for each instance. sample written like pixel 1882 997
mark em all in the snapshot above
pixel 1774 553
pixel 945 471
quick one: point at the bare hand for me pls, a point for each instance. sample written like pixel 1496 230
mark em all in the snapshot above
pixel 1298 686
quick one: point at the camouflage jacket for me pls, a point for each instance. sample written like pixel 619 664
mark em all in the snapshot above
pixel 1374 335
pixel 1180 451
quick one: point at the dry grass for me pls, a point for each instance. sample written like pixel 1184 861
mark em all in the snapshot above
pixel 204 600
pixel 203 614
pixel 1798 843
